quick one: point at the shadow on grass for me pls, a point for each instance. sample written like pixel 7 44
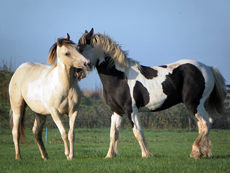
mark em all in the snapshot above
pixel 158 156
pixel 221 156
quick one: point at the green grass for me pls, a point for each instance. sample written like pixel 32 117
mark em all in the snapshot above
pixel 171 149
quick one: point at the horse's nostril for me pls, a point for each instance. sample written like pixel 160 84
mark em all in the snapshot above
pixel 87 64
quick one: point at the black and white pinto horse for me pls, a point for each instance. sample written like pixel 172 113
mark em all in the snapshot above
pixel 129 88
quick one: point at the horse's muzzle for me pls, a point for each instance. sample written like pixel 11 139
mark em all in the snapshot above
pixel 79 74
pixel 88 65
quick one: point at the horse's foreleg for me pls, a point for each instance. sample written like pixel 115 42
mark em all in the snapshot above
pixel 114 135
pixel 57 119
pixel 37 130
pixel 71 135
pixel 139 134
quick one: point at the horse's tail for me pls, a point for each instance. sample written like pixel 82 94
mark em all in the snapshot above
pixel 11 118
pixel 215 102
pixel 22 130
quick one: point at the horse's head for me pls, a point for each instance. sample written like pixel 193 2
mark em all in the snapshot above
pixel 67 53
pixel 96 47
pixel 88 47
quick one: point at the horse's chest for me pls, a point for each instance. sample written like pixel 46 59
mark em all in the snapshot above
pixel 69 102
pixel 64 106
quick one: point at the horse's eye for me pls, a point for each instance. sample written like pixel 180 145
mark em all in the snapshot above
pixel 67 53
pixel 80 50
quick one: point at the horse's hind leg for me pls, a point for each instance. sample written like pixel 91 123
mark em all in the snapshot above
pixel 16 115
pixel 15 133
pixel 37 130
pixel 114 135
pixel 202 145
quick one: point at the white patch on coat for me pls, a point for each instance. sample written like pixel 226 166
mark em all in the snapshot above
pixel 43 89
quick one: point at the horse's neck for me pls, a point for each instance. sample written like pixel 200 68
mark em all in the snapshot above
pixel 109 75
pixel 64 74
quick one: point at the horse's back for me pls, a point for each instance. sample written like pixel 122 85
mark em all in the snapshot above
pixel 25 74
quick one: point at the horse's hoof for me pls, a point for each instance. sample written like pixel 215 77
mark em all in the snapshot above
pixel 108 157
pixel 195 155
pixel 147 155
pixel 45 159
pixel 18 157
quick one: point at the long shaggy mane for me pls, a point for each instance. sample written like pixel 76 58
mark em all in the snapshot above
pixel 112 49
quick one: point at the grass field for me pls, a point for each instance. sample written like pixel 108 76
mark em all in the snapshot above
pixel 171 149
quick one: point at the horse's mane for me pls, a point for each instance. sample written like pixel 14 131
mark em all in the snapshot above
pixel 112 49
pixel 53 50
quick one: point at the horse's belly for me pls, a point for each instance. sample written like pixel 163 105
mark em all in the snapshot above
pixel 155 102
pixel 38 107
pixel 37 97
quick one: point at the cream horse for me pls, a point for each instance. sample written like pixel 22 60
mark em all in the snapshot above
pixel 48 90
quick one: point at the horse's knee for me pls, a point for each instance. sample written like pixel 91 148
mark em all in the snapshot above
pixel 64 135
pixel 114 133
pixel 71 135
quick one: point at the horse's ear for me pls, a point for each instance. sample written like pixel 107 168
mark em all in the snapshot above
pixel 59 42
pixel 91 32
pixel 89 35
pixel 67 37
pixel 86 32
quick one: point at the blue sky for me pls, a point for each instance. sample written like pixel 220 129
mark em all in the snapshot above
pixel 153 32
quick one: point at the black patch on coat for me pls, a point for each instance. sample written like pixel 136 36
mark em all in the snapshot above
pixel 140 94
pixel 186 84
pixel 115 88
pixel 147 72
